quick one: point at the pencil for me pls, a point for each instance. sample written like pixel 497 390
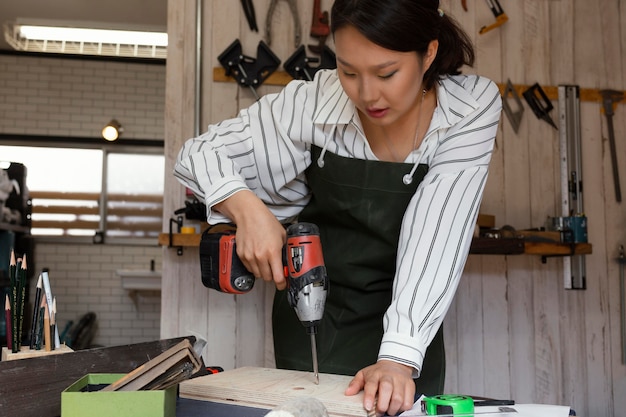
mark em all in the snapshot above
pixel 33 328
pixel 46 326
pixel 12 265
pixel 7 316
pixel 21 298
pixel 13 291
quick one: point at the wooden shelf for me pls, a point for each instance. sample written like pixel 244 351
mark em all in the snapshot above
pixel 480 246
pixel 180 239
pixel 556 249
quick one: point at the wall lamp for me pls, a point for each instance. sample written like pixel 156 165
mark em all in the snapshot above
pixel 112 131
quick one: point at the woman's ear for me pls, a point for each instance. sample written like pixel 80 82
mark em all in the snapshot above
pixel 431 54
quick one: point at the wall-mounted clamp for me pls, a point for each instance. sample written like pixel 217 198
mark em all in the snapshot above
pixel 539 103
pixel 249 72
pixel 179 223
pixel 298 64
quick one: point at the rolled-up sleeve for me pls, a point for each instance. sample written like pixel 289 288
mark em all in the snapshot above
pixel 263 149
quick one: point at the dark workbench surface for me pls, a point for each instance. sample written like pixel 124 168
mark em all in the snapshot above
pixel 194 408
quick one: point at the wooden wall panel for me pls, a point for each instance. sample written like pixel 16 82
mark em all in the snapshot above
pixel 512 330
pixel 571 303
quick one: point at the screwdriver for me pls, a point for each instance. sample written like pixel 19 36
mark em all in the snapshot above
pixel 308 284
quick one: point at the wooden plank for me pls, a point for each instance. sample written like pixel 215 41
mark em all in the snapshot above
pixel 544 191
pixel 32 387
pixel 600 64
pixel 517 208
pixel 27 353
pixel 556 249
pixel 268 388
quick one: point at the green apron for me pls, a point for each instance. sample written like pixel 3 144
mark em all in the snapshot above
pixel 358 206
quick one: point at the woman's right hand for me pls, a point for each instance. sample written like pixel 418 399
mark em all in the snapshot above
pixel 260 236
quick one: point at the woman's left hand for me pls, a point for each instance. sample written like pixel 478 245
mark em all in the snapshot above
pixel 388 387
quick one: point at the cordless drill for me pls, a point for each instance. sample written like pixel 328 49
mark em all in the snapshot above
pixel 222 270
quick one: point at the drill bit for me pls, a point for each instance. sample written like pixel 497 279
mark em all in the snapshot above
pixel 316 373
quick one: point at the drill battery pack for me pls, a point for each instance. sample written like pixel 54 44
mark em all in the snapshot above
pixel 220 267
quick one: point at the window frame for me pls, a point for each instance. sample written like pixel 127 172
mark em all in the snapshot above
pixel 121 146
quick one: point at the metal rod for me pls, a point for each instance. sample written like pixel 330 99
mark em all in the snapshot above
pixel 622 300
pixel 198 77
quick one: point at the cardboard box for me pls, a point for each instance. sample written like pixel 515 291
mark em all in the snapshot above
pixel 75 402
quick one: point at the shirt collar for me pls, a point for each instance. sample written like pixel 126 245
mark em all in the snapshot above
pixel 335 107
pixel 454 102
pixel 454 99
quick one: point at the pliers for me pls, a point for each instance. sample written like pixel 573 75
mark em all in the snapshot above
pixel 268 22
pixel 248 9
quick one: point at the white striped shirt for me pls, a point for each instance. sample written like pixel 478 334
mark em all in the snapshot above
pixel 266 149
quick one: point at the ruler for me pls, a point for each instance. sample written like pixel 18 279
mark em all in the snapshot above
pixel 570 154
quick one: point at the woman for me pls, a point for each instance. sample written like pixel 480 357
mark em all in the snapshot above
pixel 389 156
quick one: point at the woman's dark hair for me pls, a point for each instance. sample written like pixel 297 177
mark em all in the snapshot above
pixel 408 25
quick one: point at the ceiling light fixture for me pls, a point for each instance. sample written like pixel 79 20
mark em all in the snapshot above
pixel 74 39
pixel 49 33
pixel 112 131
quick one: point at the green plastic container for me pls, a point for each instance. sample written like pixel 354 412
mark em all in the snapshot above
pixel 75 403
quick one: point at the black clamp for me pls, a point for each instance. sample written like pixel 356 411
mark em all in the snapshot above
pixel 179 222
pixel 249 72
pixel 298 64
pixel 539 103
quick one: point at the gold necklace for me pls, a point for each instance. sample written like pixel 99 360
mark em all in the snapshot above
pixel 389 144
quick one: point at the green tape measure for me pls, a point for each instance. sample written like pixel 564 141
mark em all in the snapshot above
pixel 448 404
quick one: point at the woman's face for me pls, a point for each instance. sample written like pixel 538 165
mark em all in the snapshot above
pixel 384 85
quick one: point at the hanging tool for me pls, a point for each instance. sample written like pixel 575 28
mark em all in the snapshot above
pixel 515 117
pixel 570 152
pixel 222 270
pixel 501 17
pixel 249 72
pixel 298 64
pixel 539 103
pixel 248 9
pixel 296 20
pixel 320 28
pixel 609 102
pixel 464 4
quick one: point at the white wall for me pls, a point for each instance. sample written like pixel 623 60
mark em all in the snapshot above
pixel 46 96
pixel 84 279
pixel 70 97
